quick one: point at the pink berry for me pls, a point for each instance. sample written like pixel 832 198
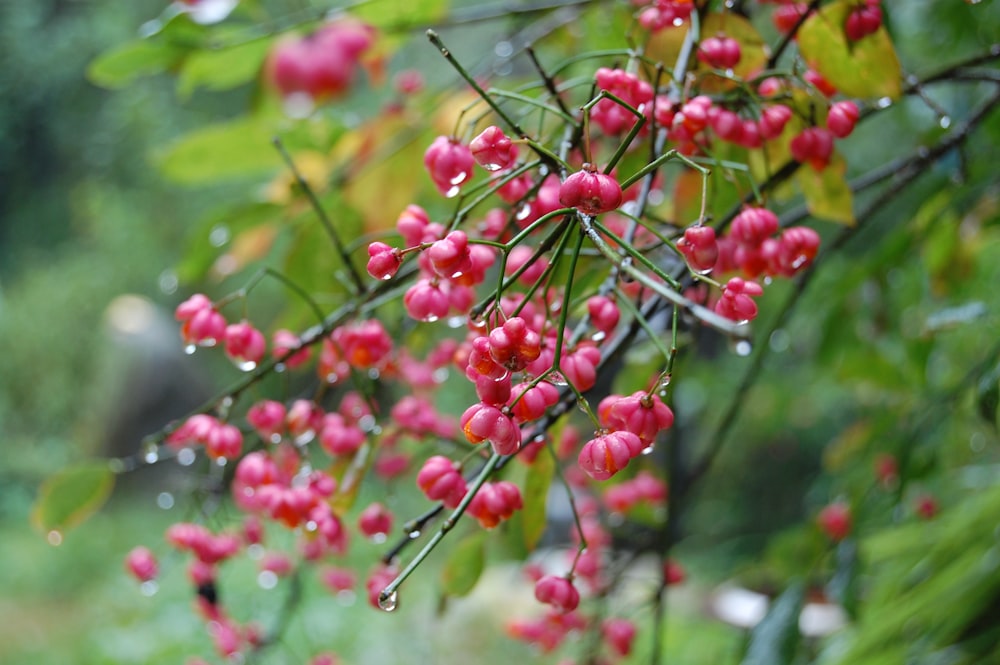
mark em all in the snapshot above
pixel 514 345
pixel 141 562
pixel 533 401
pixel 245 344
pixel 841 118
pixel 449 163
pixel 282 342
pixel 579 366
pixel 673 573
pixel 786 16
pixel 440 480
pixel 425 301
pixel 719 52
pixel 619 634
pixel 483 422
pixel 606 455
pixel 640 413
pixel 590 192
pixel 816 79
pixel 412 224
pixel 493 149
pixel 926 506
pixel 375 521
pixel 752 225
pixel 736 302
pixel 813 146
pixel 604 313
pixel 495 502
pixel 773 120
pixel 384 262
pixel 699 247
pixel 835 521
pixel 558 592
pixel 449 256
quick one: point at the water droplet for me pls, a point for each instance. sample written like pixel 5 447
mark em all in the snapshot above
pixel 305 437
pixel 430 318
pixel 378 538
pixel 440 375
pixel 503 49
pixel 523 212
pixel 744 348
pixel 557 379
pixel 311 525
pixel 255 551
pixel 219 235
pixel 414 534
pixel 152 454
pixel 490 166
pixel 298 105
pixel 279 367
pixel 149 588
pixel 705 272
pixel 390 602
pixel 648 449
pixel 168 282
pixel 678 22
pixel 267 579
pixel 275 438
pixel 374 374
pixel 450 194
pixel 186 457
pixel 221 461
pixel 245 365
pixel 55 538
pixel 945 122
pixel 165 500
pixel 366 422
pixel 598 336
pixel 884 102
pixel 190 349
pixel 456 321
pixel 779 341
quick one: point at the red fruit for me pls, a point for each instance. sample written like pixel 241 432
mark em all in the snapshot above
pixel 736 302
pixel 786 16
pixel 720 52
pixel 483 422
pixel 606 455
pixel 619 634
pixel 492 149
pixel 797 248
pixel 558 592
pixel 728 126
pixel 283 341
pixel 412 224
pixel 673 573
pixel 384 262
pixel 835 521
pixel 425 301
pixel 514 345
pixel 926 506
pixel 641 414
pixel 753 225
pixel 449 163
pixel 441 481
pixel 813 146
pixel 450 256
pixel 816 79
pixel 533 402
pixel 375 521
pixel 604 313
pixel 862 22
pixel 590 192
pixel 841 118
pixel 886 470
pixel 141 562
pixel 495 502
pixel 580 366
pixel 773 120
pixel 699 247
pixel 244 345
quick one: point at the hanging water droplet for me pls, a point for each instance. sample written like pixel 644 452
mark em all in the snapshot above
pixel 452 192
pixel 267 579
pixel 279 367
pixel 378 538
pixel 492 167
pixel 678 22
pixel 523 212
pixel 430 318
pixel 455 322
pixel 275 438
pixel 255 551
pixel 389 602
pixel 707 271
pixel 305 437
pixel 598 336
pixel 945 122
pixel 458 178
pixel 298 105
pixel 744 348
pixel 190 349
pixel 219 235
pixel 414 534
pixel 152 454
pixel 557 379
pixel 884 102
pixel 440 375
pixel 647 450
pixel 165 500
pixel 185 457
pixel 366 422
pixel 373 374
pixel 149 588
pixel 245 365
pixel 55 538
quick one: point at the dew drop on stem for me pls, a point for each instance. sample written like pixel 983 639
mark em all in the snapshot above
pixel 389 602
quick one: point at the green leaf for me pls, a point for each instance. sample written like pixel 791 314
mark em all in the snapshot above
pixel 843 587
pixel 866 68
pixel 71 495
pixel 397 13
pixel 464 565
pixel 988 396
pixel 536 490
pixel 826 192
pixel 223 151
pixel 121 66
pixel 776 637
pixel 222 69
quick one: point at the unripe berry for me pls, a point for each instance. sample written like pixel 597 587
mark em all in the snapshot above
pixel 590 192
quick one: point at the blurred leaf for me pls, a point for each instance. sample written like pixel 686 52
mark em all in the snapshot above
pixel 464 565
pixel 237 148
pixel 826 192
pixel 753 56
pixel 222 69
pixel 988 396
pixel 536 491
pixel 71 495
pixel 843 587
pixel 399 13
pixel 124 64
pixel 236 223
pixel 866 68
pixel 776 637
pixel 847 447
